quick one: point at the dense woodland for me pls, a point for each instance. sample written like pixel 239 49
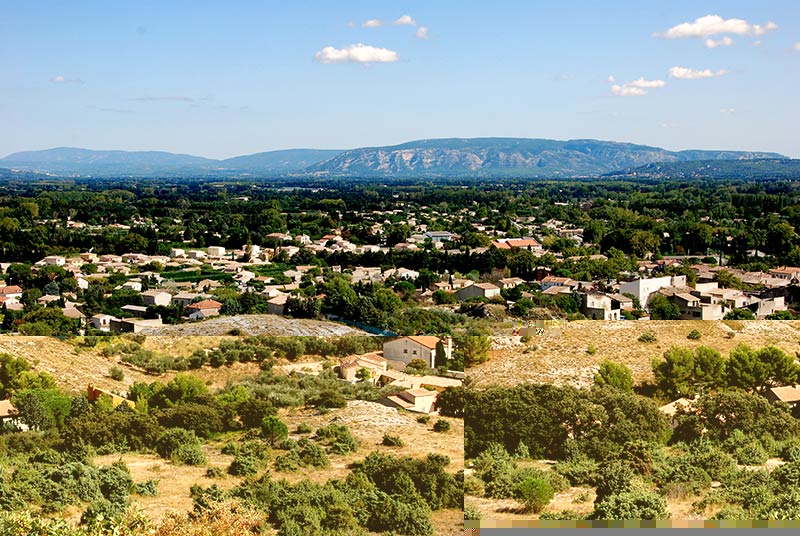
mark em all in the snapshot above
pixel 626 215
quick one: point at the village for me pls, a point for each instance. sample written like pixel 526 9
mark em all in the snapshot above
pixel 193 279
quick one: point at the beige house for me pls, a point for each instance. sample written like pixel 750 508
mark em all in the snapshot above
pixel 478 290
pixel 277 305
pixel 374 362
pixel 156 297
pixel 417 400
pixel 400 352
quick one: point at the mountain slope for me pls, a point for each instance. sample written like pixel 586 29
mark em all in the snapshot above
pixel 508 156
pixel 289 160
pixel 716 169
pixel 69 160
pixel 476 157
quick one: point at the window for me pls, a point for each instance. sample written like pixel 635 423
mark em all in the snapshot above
pixel 415 352
pixel 405 351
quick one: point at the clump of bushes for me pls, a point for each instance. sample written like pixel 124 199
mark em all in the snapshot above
pixel 694 335
pixel 180 446
pixel 337 438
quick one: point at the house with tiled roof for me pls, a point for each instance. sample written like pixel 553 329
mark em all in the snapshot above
pixel 203 309
pixel 399 352
pixel 374 362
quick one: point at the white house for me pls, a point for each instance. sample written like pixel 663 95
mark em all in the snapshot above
pixel 643 288
pixel 215 251
pixel 400 352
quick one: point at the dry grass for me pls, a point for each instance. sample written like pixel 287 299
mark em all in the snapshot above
pixel 561 357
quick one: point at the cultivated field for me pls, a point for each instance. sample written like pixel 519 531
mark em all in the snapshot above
pixel 571 355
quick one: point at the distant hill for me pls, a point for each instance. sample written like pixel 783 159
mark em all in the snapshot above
pixel 716 169
pixel 289 161
pixel 486 157
pixel 475 157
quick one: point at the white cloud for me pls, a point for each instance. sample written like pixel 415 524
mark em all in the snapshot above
pixel 684 73
pixel 358 53
pixel 611 79
pixel 716 25
pixel 724 42
pixel 372 23
pixel 405 20
pixel 627 91
pixel 634 88
pixel 422 32
pixel 797 46
pixel 727 111
pixel 61 79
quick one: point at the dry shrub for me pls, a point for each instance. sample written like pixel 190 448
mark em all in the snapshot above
pixel 225 518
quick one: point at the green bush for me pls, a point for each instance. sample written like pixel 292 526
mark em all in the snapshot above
pixel 562 515
pixel 117 374
pixel 392 441
pixel 245 465
pixel 694 335
pixel 303 428
pixel 580 471
pixel 647 337
pixel 473 486
pixel 471 513
pixel 441 425
pixel 535 494
pixel 631 505
pixel 273 429
pixel 424 419
pixel 146 489
pixel 311 455
pixel 214 472
pixel 337 438
pixel 189 455
pixel 287 463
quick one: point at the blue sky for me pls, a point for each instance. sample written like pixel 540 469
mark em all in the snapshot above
pixel 220 79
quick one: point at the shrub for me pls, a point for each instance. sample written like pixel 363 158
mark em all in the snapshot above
pixel 189 455
pixel 244 465
pixel 647 337
pixel 612 479
pixel 750 453
pixel 173 439
pixel 631 505
pixel 441 425
pixel 392 441
pixel 146 489
pixel 117 374
pixel 337 438
pixel 273 429
pixel 471 513
pixel 287 463
pixel 214 472
pixel 535 494
pixel 473 486
pixel 591 349
pixel 311 455
pixel 694 335
pixel 424 419
pixel 580 471
pixel 303 428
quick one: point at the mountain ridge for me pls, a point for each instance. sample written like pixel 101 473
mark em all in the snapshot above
pixel 440 157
